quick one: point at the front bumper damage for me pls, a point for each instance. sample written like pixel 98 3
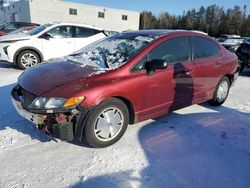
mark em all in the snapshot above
pixel 65 125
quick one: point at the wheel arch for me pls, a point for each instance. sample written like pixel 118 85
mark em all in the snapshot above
pixel 230 77
pixel 39 53
pixel 80 124
pixel 129 106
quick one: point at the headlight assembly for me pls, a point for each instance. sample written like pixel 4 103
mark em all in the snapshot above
pixel 5 50
pixel 42 103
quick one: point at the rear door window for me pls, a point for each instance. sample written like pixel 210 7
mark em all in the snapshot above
pixel 204 48
pixel 82 32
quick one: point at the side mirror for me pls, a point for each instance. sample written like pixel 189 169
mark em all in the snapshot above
pixel 47 36
pixel 155 64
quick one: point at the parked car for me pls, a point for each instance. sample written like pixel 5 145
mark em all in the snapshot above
pixel 243 53
pixel 220 40
pixel 11 26
pixel 22 30
pixel 46 42
pixel 123 79
pixel 232 44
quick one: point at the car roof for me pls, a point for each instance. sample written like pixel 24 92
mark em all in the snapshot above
pixel 29 23
pixel 157 33
pixel 76 24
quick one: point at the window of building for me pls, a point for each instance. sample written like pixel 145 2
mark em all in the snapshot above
pixel 203 48
pixel 125 17
pixel 101 15
pixel 72 11
pixel 172 51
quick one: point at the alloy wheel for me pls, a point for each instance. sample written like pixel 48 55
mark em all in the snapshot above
pixel 29 60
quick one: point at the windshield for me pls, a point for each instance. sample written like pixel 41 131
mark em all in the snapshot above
pixel 39 29
pixel 111 52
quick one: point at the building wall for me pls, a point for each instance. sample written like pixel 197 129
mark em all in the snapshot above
pixel 44 11
pixel 7 2
pixel 1 14
pixel 20 9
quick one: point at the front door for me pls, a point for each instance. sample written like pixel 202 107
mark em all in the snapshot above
pixel 170 88
pixel 58 42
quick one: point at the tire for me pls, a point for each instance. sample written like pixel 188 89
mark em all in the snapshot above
pixel 27 59
pixel 99 131
pixel 219 96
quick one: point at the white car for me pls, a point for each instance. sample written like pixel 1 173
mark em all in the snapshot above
pixel 46 42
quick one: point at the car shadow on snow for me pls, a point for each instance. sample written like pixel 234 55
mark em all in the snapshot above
pixel 7 65
pixel 209 149
pixel 11 119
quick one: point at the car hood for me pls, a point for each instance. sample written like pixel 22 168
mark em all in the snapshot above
pixel 45 77
pixel 10 37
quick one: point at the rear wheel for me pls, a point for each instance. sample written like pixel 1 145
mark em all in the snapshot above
pixel 221 92
pixel 107 123
pixel 27 59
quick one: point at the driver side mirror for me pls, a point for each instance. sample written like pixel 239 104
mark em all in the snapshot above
pixel 47 36
pixel 155 64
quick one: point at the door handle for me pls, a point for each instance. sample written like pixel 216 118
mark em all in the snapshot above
pixel 218 64
pixel 185 72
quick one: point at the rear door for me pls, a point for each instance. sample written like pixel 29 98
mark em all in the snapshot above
pixel 207 67
pixel 84 36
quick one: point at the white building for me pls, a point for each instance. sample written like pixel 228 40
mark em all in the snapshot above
pixel 45 11
pixel 7 2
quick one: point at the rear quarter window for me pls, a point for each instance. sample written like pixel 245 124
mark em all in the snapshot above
pixel 82 32
pixel 204 48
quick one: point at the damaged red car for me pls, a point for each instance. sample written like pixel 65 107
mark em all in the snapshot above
pixel 95 93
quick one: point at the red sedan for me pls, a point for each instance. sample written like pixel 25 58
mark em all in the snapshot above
pixel 126 78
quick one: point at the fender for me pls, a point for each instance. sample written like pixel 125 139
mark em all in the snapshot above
pixel 28 48
pixel 80 123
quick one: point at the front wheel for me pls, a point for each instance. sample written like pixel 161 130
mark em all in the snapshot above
pixel 107 123
pixel 221 92
pixel 27 59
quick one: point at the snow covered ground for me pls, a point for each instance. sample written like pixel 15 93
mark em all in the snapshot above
pixel 199 146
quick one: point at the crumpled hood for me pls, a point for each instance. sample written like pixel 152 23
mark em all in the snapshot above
pixel 10 37
pixel 48 76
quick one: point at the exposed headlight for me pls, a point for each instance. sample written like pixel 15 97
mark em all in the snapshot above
pixel 54 103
